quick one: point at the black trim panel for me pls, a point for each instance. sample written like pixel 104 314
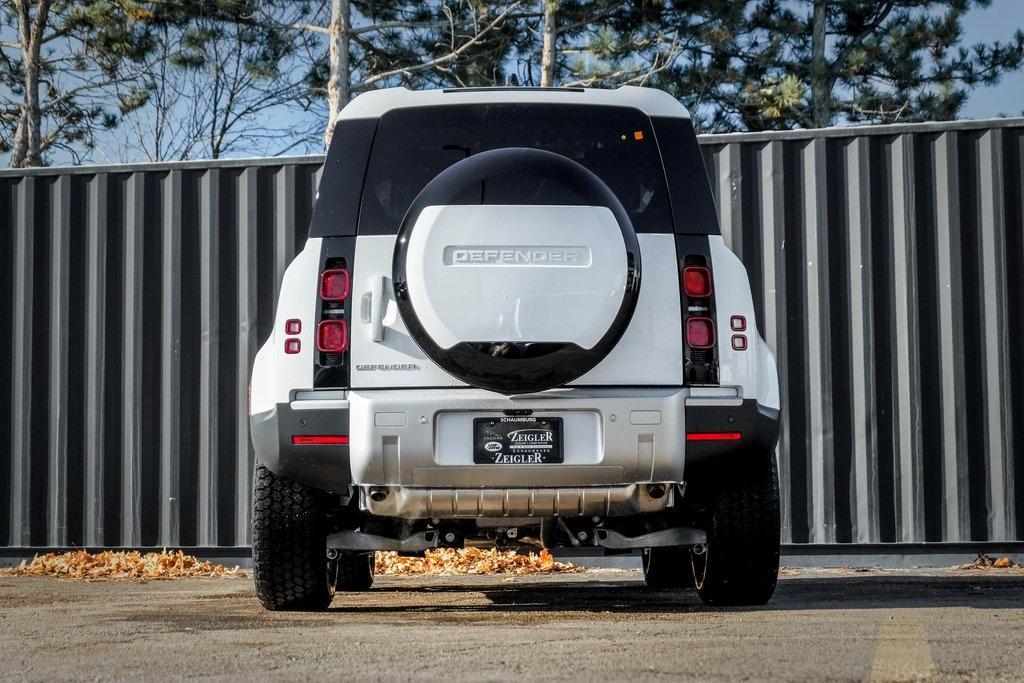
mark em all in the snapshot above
pixel 693 204
pixel 336 211
pixel 758 425
pixel 323 467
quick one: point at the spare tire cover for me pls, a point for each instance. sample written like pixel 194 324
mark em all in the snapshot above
pixel 520 296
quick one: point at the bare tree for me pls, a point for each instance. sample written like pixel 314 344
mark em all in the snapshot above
pixel 218 87
pixel 366 50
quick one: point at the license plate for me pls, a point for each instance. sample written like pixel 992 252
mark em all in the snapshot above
pixel 517 440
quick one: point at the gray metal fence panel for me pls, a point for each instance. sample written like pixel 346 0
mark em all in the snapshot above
pixel 888 273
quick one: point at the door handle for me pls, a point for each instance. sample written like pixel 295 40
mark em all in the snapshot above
pixel 377 308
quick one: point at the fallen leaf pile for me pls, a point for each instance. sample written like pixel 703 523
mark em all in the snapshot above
pixel 446 562
pixel 986 562
pixel 81 564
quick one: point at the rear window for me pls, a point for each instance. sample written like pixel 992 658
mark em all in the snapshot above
pixel 413 145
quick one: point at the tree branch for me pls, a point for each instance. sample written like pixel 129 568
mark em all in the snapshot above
pixel 430 64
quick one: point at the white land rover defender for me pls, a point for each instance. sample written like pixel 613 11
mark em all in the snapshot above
pixel 515 321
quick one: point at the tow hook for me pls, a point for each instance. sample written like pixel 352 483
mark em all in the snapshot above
pixel 450 538
pixel 699 549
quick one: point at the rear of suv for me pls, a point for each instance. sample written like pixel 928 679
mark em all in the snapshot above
pixel 515 322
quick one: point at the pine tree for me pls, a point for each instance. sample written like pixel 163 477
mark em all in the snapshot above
pixel 852 61
pixel 58 69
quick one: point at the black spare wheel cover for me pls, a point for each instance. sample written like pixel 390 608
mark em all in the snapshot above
pixel 501 365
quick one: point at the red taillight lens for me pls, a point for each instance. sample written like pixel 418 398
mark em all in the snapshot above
pixel 696 281
pixel 320 440
pixel 700 332
pixel 334 284
pixel 714 436
pixel 332 336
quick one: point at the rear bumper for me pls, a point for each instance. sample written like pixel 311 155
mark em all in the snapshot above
pixel 757 425
pixel 418 445
pixel 424 438
pixel 325 467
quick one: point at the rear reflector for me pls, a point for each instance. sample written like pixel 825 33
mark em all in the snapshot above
pixel 332 336
pixel 292 345
pixel 320 440
pixel 334 284
pixel 713 436
pixel 293 326
pixel 700 332
pixel 696 281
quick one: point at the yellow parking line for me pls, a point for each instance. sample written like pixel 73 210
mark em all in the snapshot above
pixel 903 652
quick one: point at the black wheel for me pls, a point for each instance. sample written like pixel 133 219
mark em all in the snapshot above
pixel 666 568
pixel 355 571
pixel 740 563
pixel 289 545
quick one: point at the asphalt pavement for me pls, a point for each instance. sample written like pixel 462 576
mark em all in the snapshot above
pixel 599 625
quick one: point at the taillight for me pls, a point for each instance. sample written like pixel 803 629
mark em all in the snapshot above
pixel 713 436
pixel 700 356
pixel 320 440
pixel 335 284
pixel 700 332
pixel 334 296
pixel 332 336
pixel 696 281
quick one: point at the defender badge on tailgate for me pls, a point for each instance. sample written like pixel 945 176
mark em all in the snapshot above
pixel 388 367
pixel 519 255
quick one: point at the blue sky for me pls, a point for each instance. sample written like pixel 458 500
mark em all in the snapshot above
pixel 998 22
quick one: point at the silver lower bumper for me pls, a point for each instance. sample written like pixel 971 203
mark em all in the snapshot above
pixel 450 503
pixel 423 438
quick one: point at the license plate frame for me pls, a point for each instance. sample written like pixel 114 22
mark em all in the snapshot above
pixel 517 440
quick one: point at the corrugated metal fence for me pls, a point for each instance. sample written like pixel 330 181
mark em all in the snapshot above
pixel 887 264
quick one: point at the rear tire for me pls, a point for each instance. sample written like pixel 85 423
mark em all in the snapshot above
pixel 289 546
pixel 355 571
pixel 667 568
pixel 741 563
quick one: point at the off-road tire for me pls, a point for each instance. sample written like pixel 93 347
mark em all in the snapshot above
pixel 355 571
pixel 741 563
pixel 667 568
pixel 289 545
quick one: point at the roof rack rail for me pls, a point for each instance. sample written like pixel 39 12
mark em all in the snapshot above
pixel 492 88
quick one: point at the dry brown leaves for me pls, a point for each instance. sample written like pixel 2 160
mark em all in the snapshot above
pixel 445 561
pixel 81 564
pixel 986 562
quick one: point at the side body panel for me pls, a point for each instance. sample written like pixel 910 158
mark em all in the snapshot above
pixel 751 370
pixel 276 373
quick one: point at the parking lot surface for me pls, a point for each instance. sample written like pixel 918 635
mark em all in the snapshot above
pixel 599 625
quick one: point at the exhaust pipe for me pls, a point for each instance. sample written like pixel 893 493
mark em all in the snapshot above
pixel 378 494
pixel 656 491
